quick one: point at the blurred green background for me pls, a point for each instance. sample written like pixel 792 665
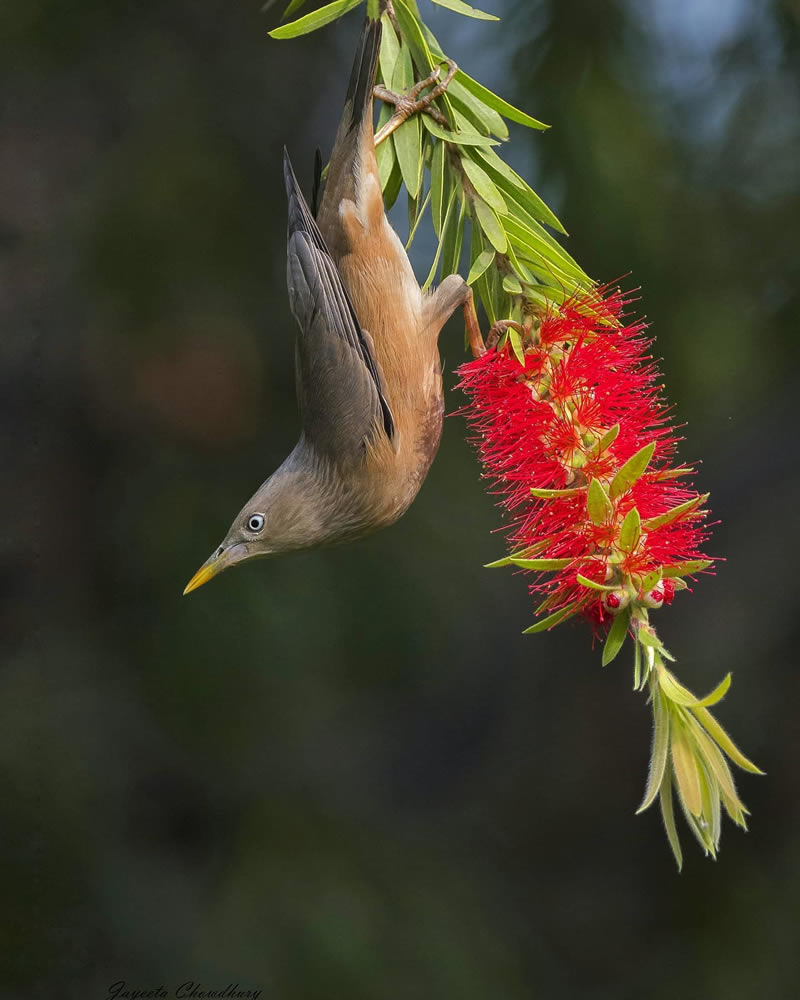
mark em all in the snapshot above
pixel 346 773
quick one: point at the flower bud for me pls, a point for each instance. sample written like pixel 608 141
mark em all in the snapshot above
pixel 655 598
pixel 615 601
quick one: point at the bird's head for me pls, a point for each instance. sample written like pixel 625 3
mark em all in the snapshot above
pixel 291 510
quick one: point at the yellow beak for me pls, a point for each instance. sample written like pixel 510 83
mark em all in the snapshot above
pixel 215 564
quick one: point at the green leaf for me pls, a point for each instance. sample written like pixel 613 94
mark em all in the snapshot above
pixel 464 8
pixel 448 221
pixel 685 767
pixel 718 693
pixel 484 259
pixel 390 50
pixel 293 7
pixel 497 103
pixel 391 189
pixel 672 515
pixel 607 439
pixel 385 155
pixel 631 531
pixel 518 188
pixel 556 494
pixel 407 138
pixel 632 470
pixel 658 757
pixel 669 819
pixel 464 137
pixel 651 580
pixel 552 261
pixel 482 118
pixel 672 688
pixel 540 564
pixel 316 19
pixel 484 185
pixel 616 636
pixel 584 581
pixel 687 568
pixel 413 35
pixel 437 187
pixel 513 287
pixel 452 237
pixel 490 224
pixel 419 212
pixel 719 768
pixel 716 732
pixel 597 503
pixel 547 623
pixel 516 347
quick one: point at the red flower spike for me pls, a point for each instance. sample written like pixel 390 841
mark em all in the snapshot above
pixel 579 446
pixel 541 425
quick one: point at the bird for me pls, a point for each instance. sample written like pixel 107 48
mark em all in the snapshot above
pixel 368 373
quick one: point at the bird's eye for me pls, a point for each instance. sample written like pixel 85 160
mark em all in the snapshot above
pixel 255 522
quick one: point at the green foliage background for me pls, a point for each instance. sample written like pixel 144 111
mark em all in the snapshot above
pixel 347 773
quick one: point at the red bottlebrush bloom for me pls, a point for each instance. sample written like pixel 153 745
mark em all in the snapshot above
pixel 568 419
pixel 583 401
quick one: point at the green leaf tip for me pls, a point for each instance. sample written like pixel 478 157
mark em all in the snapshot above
pixel 316 19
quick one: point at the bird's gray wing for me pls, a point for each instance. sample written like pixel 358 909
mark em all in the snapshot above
pixel 338 382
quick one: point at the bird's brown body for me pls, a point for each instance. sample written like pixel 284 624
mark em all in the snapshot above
pixel 369 379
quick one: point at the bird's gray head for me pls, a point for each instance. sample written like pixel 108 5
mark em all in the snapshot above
pixel 291 510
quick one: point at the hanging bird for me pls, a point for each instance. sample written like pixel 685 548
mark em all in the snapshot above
pixel 368 374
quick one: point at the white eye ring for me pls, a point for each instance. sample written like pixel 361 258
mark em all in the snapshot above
pixel 255 523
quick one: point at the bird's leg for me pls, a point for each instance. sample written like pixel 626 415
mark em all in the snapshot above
pixel 474 336
pixel 412 103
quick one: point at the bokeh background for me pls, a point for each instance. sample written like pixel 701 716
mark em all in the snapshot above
pixel 346 773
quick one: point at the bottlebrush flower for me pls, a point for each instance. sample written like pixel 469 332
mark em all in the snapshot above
pixel 572 430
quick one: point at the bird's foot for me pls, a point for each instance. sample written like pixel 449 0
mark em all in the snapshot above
pixel 499 328
pixel 412 103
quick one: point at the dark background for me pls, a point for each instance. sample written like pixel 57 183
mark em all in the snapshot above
pixel 346 773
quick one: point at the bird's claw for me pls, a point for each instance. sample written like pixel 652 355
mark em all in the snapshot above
pixel 412 103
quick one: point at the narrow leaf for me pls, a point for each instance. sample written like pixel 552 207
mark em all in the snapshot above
pixel 718 693
pixel 490 224
pixel 437 187
pixel 631 530
pixel 293 8
pixel 584 581
pixel 452 236
pixel 519 189
pixel 687 568
pixel 672 515
pixel 632 470
pixel 672 688
pixel 463 137
pixel 484 259
pixel 551 620
pixel 556 494
pixel 484 185
pixel 607 439
pixel 316 19
pixel 616 636
pixel 597 503
pixel 482 116
pixel 658 757
pixel 541 564
pixel 668 816
pixel 448 221
pixel 464 8
pixel 516 342
pixel 390 50
pixel 685 767
pixel 513 287
pixel 497 103
pixel 715 730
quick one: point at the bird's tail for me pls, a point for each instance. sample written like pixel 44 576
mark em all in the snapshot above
pixel 354 149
